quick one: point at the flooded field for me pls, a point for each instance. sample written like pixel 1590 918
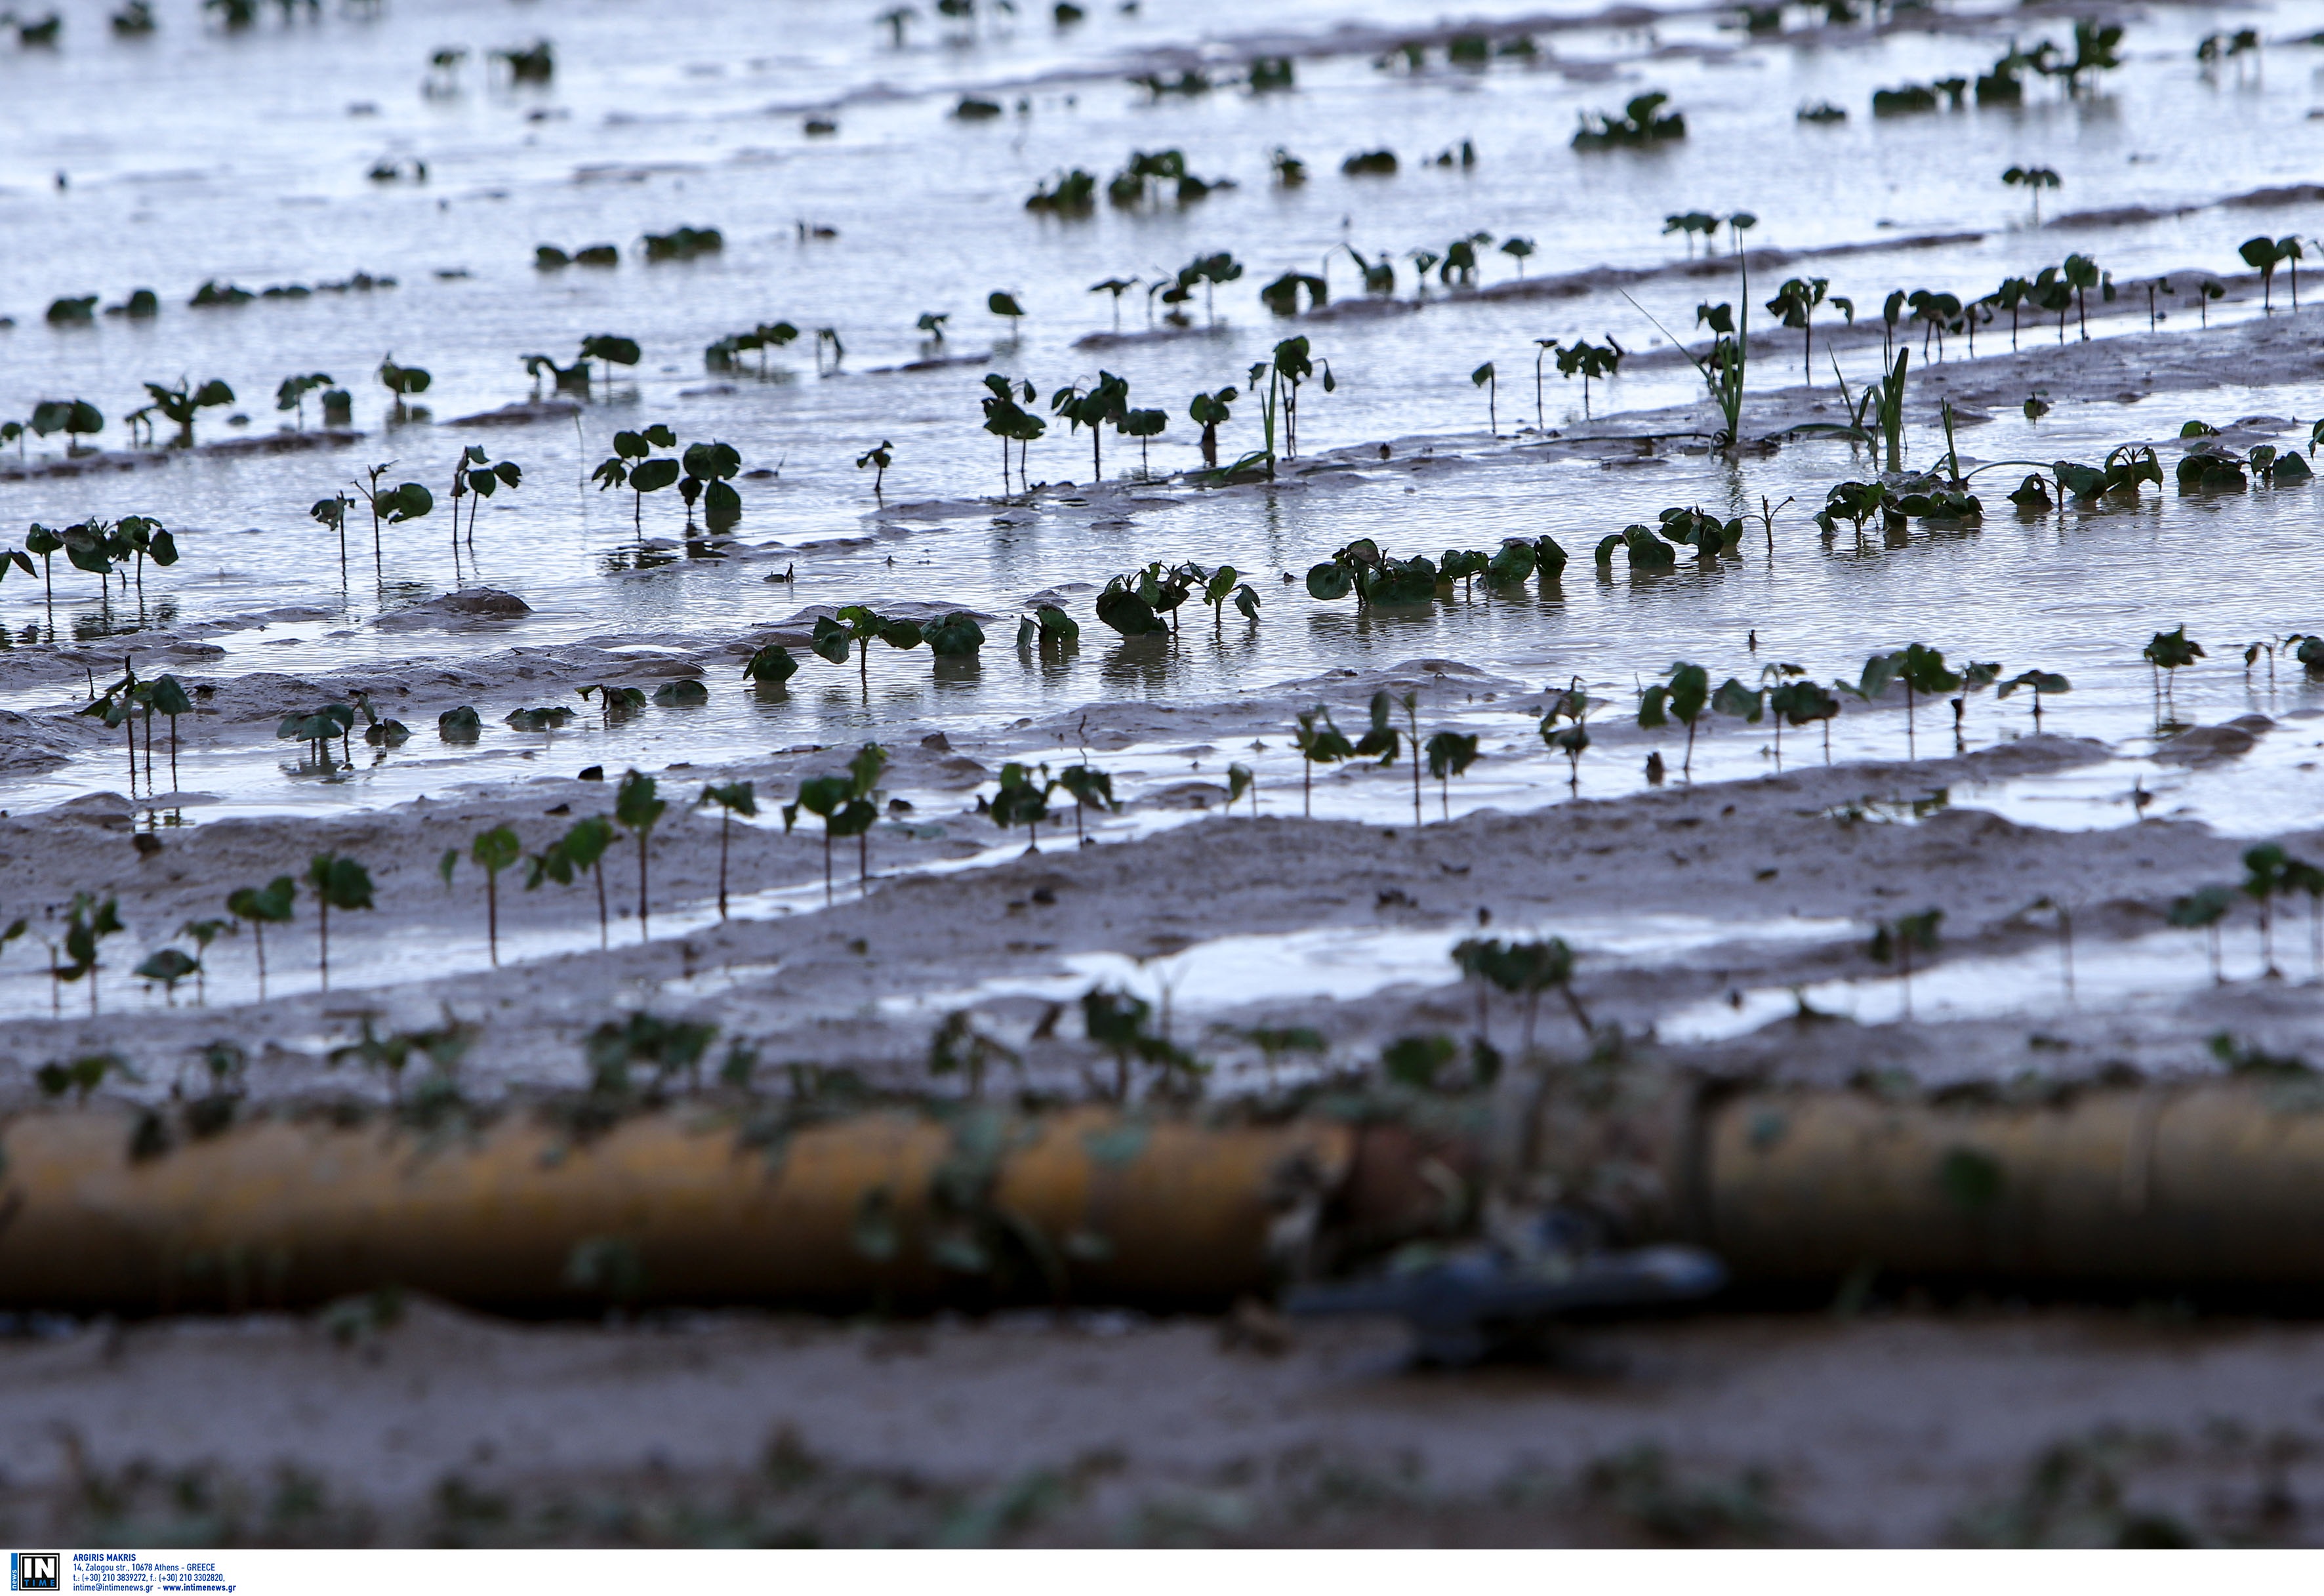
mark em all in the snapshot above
pixel 901 541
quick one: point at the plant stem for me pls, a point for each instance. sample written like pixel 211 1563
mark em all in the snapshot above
pixel 323 910
pixel 603 919
pixel 725 825
pixel 493 914
pixel 645 932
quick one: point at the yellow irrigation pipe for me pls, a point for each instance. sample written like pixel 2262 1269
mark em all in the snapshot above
pixel 2218 1182
pixel 893 1206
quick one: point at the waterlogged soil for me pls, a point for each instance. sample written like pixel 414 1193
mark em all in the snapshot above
pixel 1721 895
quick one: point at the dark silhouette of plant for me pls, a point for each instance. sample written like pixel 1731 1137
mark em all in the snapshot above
pixel 1485 378
pixel 770 666
pixel 473 473
pixel 1795 303
pixel 636 808
pixel 2202 911
pixel 2033 180
pixel 262 907
pixel 1641 123
pixel 2264 255
pixel 1091 788
pixel 845 806
pixel 337 883
pixel 402 381
pixel 291 395
pixel 75 418
pixel 1106 400
pixel 611 348
pixel 492 850
pixel 392 506
pixel 731 798
pixel 1527 971
pixel 1002 303
pixel 1211 411
pixel 1571 706
pixel 1023 799
pixel 1893 942
pixel 1450 755
pixel 1802 703
pixel 582 847
pixel 1006 418
pixel 634 465
pixel 2265 875
pixel 2167 654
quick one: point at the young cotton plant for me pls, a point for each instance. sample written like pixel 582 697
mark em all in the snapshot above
pixel 1572 739
pixel 581 848
pixel 1320 743
pixel 492 850
pixel 258 908
pixel 634 465
pixel 730 798
pixel 337 883
pixel 636 808
pixel 1023 799
pixel 844 803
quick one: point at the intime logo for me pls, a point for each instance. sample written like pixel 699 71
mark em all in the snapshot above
pixel 35 1571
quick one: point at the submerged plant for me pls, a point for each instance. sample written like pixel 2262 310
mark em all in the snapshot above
pixel 291 395
pixel 1681 695
pixel 1641 121
pixel 2167 654
pixel 2202 911
pixel 402 381
pixel 1572 739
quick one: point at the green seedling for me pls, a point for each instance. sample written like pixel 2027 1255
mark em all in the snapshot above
pixel 459 726
pixel 75 418
pixel 1064 194
pixel 2265 869
pixel 89 922
pixel 1091 788
pixel 710 470
pixel 1117 286
pixel 261 906
pixel 492 850
pixel 1572 739
pixel 1006 418
pixel 845 812
pixel 1108 400
pixel 402 381
pixel 337 883
pixel 534 63
pixel 1282 296
pixel 1795 303
pixel 444 1047
pixel 1641 123
pixel 1320 743
pixel 2167 654
pixel 731 798
pixel 636 808
pixel 1144 426
pixel 165 695
pixel 1527 970
pixel 1211 411
pixel 684 243
pixel 1023 799
pixel 1384 740
pixel 82 1076
pixel 1485 378
pixel 317 728
pixel 611 348
pixel 768 667
pixel 1450 755
pixel 390 506
pixel 581 848
pixel 2202 911
pixel 474 474
pixel 1802 703
pixel 2033 180
pixel 1118 1022
pixel 931 325
pixel 2264 255
pixel 1004 304
pixel 960 1049
pixel 564 379
pixel 1047 627
pixel 291 395
pixel 142 538
pixel 1226 584
pixel 378 733
pixel 202 933
pixel 1893 942
pixel 633 465
pixel 617 703
pixel 1241 779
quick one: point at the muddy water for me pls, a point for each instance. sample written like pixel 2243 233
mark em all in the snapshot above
pixel 199 154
